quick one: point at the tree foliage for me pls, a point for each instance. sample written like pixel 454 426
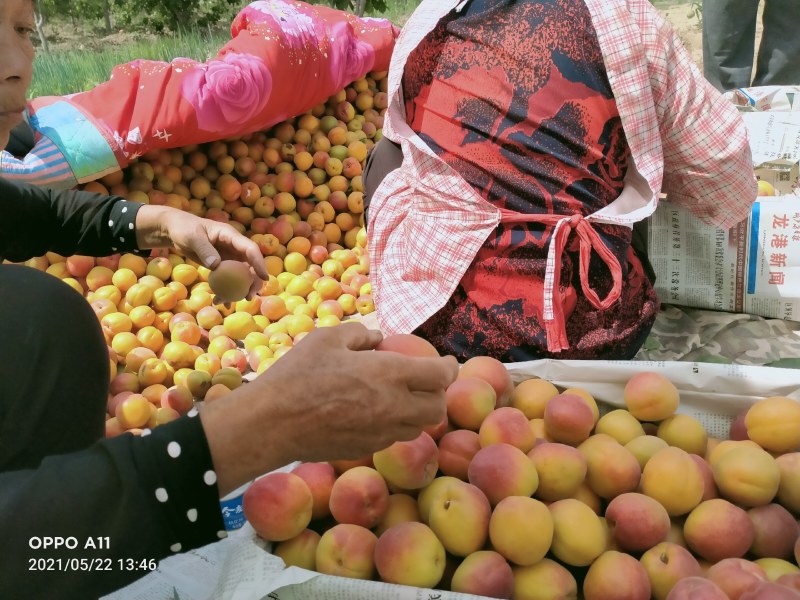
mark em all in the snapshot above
pixel 174 15
pixel 358 7
pixel 169 15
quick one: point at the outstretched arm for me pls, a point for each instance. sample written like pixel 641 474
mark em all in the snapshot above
pixel 36 220
pixel 158 494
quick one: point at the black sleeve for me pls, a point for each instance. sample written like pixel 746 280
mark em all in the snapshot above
pixel 22 140
pixel 35 220
pixel 121 503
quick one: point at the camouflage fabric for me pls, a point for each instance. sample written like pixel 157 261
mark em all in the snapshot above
pixel 691 334
pixel 697 335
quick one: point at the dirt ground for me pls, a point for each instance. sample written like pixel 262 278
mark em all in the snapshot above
pixel 688 26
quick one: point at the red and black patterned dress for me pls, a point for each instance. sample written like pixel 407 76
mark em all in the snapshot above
pixel 513 94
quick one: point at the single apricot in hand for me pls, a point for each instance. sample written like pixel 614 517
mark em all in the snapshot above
pixel 230 281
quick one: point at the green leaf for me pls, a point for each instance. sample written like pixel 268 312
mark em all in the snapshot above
pixel 651 343
pixel 786 363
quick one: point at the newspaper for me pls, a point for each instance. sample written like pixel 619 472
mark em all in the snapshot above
pixel 188 576
pixel 241 567
pixel 751 268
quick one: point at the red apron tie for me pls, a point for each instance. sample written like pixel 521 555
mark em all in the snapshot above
pixel 590 240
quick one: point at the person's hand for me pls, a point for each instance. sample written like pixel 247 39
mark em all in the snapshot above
pixel 345 401
pixel 330 398
pixel 203 240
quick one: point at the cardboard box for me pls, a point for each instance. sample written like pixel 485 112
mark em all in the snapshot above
pixel 766 98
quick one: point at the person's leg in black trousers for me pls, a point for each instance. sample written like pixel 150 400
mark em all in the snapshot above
pixel 54 369
pixel 779 51
pixel 729 37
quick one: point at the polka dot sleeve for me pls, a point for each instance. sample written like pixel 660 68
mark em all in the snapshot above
pixel 35 220
pixel 179 474
pixel 121 227
pixel 145 497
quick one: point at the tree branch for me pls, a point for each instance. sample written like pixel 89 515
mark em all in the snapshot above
pixel 39 20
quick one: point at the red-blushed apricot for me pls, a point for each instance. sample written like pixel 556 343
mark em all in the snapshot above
pixel 568 419
pixel 637 522
pixel 696 588
pixel 409 553
pixel 359 496
pixel 278 506
pixel 409 464
pixel 611 573
pixel 484 573
pixel 610 468
pixel 178 398
pixel 469 401
pixel 507 425
pixel 456 449
pixel 502 470
pixel 408 344
pixel 493 371
pixel 735 576
pixel 319 478
pixel 650 396
pixel 770 590
pixel 347 550
pixel 776 531
pixel 717 529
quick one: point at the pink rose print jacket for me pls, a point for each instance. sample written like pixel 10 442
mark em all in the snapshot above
pixel 284 58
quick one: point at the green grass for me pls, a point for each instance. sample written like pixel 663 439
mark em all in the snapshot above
pixel 399 10
pixel 67 72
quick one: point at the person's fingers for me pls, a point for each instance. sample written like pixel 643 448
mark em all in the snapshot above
pixel 426 408
pixel 248 251
pixel 205 252
pixel 251 254
pixel 355 336
pixel 256 260
pixel 428 374
pixel 255 288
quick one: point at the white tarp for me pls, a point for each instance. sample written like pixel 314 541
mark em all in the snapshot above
pixel 241 568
